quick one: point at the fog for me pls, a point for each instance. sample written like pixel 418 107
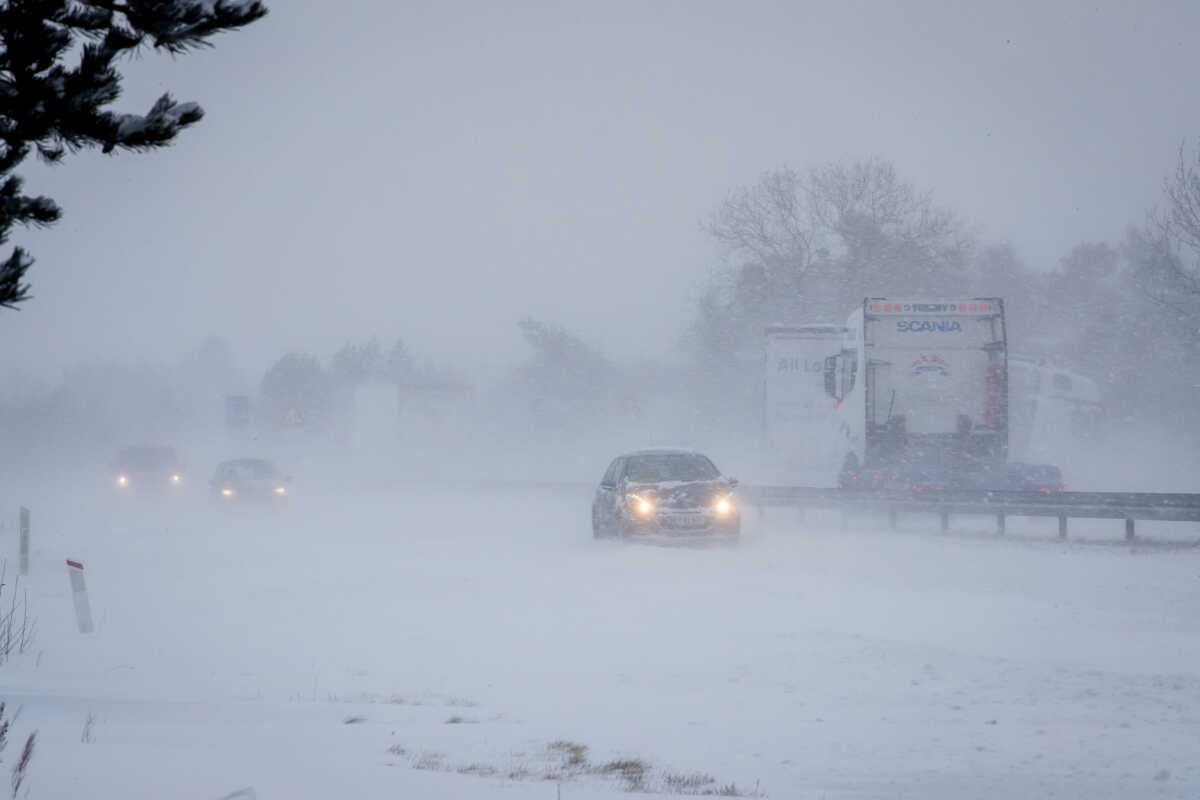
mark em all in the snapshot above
pixel 372 171
pixel 441 263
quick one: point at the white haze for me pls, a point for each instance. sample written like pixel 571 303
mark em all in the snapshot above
pixel 429 615
pixel 377 170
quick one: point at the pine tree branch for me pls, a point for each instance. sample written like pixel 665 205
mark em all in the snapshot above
pixel 85 18
pixel 16 208
pixel 49 109
pixel 13 289
pixel 178 26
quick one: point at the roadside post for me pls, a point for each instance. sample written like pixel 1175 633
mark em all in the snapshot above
pixel 83 611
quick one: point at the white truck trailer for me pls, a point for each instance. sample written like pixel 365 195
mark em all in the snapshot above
pixel 921 398
pixel 798 441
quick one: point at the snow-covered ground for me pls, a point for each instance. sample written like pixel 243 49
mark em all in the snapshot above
pixel 433 642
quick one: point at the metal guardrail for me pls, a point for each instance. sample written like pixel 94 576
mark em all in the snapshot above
pixel 1128 506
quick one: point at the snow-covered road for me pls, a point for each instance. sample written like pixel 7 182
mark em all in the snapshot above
pixel 429 642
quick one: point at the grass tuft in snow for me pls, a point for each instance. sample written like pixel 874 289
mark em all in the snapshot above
pixel 17 630
pixel 691 783
pixel 429 760
pixel 520 773
pixel 477 769
pixel 354 719
pixel 21 770
pixel 631 771
pixel 564 760
pixel 573 754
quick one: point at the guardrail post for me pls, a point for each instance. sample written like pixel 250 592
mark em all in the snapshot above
pixel 1062 526
pixel 892 519
pixel 1129 529
pixel 1000 524
pixel 945 521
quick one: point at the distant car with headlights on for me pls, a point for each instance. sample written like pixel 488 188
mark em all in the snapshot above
pixel 148 468
pixel 665 493
pixel 249 480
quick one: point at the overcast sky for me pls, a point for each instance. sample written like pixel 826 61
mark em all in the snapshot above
pixel 437 170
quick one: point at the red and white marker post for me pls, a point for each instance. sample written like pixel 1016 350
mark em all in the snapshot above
pixel 83 610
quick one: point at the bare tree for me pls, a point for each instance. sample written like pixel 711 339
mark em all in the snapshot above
pixel 1171 268
pixel 769 223
pixel 1163 262
pixel 804 245
pixel 879 227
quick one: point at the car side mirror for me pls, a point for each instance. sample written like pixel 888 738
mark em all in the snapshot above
pixel 733 483
pixel 831 376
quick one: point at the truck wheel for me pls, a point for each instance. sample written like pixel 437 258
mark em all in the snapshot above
pixel 849 472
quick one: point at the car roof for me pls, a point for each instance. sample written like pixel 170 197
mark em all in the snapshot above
pixel 662 451
pixel 235 462
pixel 148 448
pixel 153 452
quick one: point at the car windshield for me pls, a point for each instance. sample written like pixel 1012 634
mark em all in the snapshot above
pixel 147 458
pixel 255 469
pixel 663 467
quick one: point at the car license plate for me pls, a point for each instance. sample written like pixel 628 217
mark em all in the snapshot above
pixel 685 521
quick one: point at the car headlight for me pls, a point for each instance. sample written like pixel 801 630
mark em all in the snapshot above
pixel 280 490
pixel 724 505
pixel 227 492
pixel 176 478
pixel 122 480
pixel 640 504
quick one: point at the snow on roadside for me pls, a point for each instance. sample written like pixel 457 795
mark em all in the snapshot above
pixel 472 641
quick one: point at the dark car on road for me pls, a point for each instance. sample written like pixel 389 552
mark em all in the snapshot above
pixel 148 468
pixel 665 493
pixel 249 480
